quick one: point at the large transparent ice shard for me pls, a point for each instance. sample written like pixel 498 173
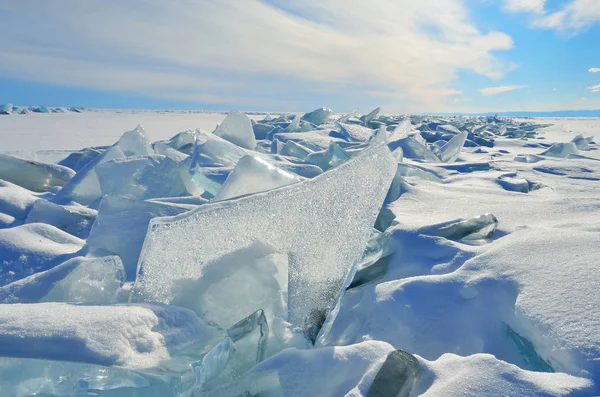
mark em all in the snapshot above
pixel 84 187
pixel 234 285
pixel 141 177
pixel 401 131
pixel 326 159
pixel 237 128
pixel 253 174
pixel 291 148
pixel 135 143
pixel 451 150
pixel 33 175
pixel 211 150
pixel 413 149
pixel 561 150
pixel 321 224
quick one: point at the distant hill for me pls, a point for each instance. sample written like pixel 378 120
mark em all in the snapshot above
pixel 558 113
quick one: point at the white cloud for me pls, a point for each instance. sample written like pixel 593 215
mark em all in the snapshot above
pixel 535 6
pixel 573 16
pixel 595 70
pixel 250 52
pixel 595 88
pixel 499 90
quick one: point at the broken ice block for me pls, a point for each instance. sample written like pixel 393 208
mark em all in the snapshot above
pixel 211 150
pixel 77 160
pixel 397 376
pixel 109 237
pixel 33 175
pixel 479 227
pixel 369 117
pixel 94 280
pixel 134 143
pixel 141 177
pixel 326 159
pixel 322 225
pixel 291 148
pixel 7 108
pixel 581 142
pixel 401 131
pixel 237 129
pixel 253 174
pixel 318 116
pixel 451 150
pixel 413 149
pixel 528 158
pixel 561 150
pixel 356 133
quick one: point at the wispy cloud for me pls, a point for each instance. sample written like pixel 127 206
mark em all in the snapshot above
pixel 250 51
pixel 535 6
pixel 499 90
pixel 595 88
pixel 595 70
pixel 573 16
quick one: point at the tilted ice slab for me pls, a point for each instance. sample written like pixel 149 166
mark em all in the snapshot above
pixel 322 225
pixel 33 175
pixel 451 150
pixel 561 150
pixel 237 129
pixel 253 174
pixel 129 336
pixel 318 116
pixel 356 133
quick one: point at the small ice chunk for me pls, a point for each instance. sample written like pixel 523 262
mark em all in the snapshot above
pixel 129 336
pixel 356 133
pixel 369 117
pixel 237 129
pixel 451 150
pixel 31 248
pixel 74 219
pixel 513 184
pixel 298 220
pixel 318 116
pixel 33 175
pixel 397 376
pixel 253 174
pixel 479 227
pixel 135 143
pixel 329 158
pixel 528 158
pixel 109 237
pixel 447 129
pixel 94 280
pixel 291 148
pixel 561 150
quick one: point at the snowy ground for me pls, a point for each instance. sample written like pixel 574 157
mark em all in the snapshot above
pixel 513 313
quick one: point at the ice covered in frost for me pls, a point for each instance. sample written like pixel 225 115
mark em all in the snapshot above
pixel 322 225
pixel 356 133
pixel 129 336
pixel 31 248
pixel 33 175
pixel 109 237
pixel 237 129
pixel 253 174
pixel 402 130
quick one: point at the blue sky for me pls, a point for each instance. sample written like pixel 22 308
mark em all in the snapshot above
pixel 293 55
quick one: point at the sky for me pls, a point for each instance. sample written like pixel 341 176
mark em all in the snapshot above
pixel 406 56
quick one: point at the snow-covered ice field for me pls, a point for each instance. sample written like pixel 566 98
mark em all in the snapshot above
pixel 289 256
